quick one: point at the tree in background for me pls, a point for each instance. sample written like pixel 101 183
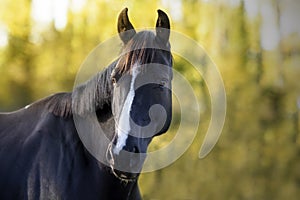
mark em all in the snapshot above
pixel 18 60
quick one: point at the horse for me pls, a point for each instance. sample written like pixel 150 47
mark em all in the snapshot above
pixel 41 153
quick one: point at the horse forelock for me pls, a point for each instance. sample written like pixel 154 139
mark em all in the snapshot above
pixel 139 49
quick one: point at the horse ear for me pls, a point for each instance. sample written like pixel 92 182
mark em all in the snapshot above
pixel 163 27
pixel 125 28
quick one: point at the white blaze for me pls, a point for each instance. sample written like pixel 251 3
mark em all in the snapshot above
pixel 123 126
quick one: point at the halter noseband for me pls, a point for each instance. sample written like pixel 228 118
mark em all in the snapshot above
pixel 111 161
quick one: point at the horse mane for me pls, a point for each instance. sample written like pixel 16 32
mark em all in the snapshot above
pixel 59 104
pixel 88 97
pixel 94 94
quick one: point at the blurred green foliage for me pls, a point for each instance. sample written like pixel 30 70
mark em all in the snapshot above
pixel 257 156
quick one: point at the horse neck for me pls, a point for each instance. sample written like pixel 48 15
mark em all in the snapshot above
pixel 95 94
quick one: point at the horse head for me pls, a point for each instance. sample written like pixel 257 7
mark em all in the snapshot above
pixel 141 94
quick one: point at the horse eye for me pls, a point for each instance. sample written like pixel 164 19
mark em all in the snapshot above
pixel 113 80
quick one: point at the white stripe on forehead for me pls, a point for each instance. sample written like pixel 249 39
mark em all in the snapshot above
pixel 123 125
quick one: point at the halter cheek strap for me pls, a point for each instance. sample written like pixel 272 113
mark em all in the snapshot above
pixel 110 159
